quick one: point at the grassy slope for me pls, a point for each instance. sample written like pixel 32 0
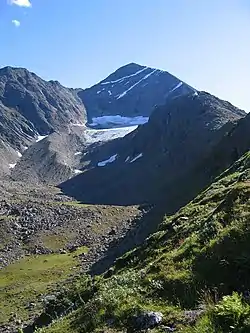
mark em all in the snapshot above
pixel 25 283
pixel 27 280
pixel 195 269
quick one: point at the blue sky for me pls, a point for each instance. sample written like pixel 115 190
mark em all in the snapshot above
pixel 79 42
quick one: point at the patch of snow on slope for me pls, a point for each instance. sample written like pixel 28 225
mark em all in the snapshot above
pixel 125 77
pixel 136 158
pixel 94 135
pixel 19 154
pixel 77 172
pixel 110 93
pixel 78 125
pixel 78 153
pixel 127 159
pixel 41 137
pixel 109 160
pixel 176 87
pixel 119 120
pixel 12 166
pixel 134 85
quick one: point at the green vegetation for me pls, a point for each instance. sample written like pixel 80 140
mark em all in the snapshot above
pixel 77 204
pixel 195 269
pixel 59 327
pixel 28 280
pixel 231 314
pixel 57 241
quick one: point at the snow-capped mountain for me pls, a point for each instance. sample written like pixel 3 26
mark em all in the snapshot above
pixel 31 108
pixel 129 95
pixel 115 121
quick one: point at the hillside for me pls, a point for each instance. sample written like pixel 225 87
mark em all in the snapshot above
pixel 51 160
pixel 147 162
pixel 191 276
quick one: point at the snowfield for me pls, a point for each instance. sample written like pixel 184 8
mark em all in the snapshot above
pixel 111 159
pixel 41 137
pixel 102 135
pixel 118 120
pixel 122 127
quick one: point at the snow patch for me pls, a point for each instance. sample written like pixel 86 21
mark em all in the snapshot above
pixel 110 93
pixel 134 85
pixel 119 120
pixel 127 159
pixel 136 158
pixel 78 125
pixel 78 153
pixel 41 137
pixel 109 160
pixel 102 135
pixel 12 166
pixel 19 154
pixel 77 172
pixel 176 87
pixel 126 77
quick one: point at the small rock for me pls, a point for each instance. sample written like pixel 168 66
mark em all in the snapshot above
pixel 183 218
pixel 73 248
pixel 168 329
pixel 112 232
pixel 148 320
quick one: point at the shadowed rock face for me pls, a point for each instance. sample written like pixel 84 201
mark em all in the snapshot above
pixel 131 91
pixel 150 160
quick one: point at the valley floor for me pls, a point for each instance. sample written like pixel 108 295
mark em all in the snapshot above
pixel 46 240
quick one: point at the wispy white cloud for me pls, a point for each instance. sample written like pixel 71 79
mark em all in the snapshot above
pixel 20 3
pixel 16 23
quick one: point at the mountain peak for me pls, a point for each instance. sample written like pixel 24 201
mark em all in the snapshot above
pixel 132 90
pixel 10 69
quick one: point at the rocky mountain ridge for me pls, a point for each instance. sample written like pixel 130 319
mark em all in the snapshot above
pixel 46 104
pixel 147 161
pixel 31 107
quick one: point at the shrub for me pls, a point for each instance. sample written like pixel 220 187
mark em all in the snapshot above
pixel 231 314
